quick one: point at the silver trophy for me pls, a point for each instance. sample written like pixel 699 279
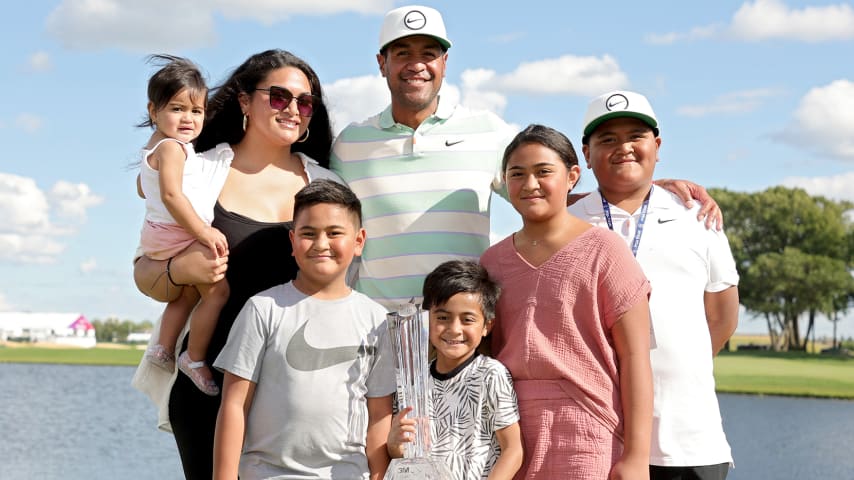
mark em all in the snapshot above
pixel 410 344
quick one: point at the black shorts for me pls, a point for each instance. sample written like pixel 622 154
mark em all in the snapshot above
pixel 705 472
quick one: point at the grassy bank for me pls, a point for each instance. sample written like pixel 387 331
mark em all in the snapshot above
pixel 784 373
pixel 752 372
pixel 100 355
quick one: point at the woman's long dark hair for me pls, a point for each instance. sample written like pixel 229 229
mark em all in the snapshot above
pixel 224 122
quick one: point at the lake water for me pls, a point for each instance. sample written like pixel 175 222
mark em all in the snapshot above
pixel 789 438
pixel 80 422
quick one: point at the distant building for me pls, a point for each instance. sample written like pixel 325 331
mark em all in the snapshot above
pixel 57 328
pixel 138 337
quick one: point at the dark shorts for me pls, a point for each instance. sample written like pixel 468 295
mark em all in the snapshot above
pixel 705 472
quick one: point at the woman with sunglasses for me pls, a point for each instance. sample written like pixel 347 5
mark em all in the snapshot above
pixel 261 116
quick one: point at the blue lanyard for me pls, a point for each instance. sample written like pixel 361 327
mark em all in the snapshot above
pixel 606 209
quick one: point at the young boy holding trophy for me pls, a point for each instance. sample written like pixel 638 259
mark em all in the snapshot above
pixel 473 416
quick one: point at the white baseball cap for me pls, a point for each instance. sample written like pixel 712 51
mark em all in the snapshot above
pixel 413 20
pixel 619 103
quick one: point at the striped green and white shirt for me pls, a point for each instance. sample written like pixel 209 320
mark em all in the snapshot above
pixel 425 193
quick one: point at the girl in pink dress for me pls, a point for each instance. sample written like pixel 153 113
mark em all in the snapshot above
pixel 572 324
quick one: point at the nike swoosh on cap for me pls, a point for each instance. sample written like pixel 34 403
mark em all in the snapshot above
pixel 449 143
pixel 306 358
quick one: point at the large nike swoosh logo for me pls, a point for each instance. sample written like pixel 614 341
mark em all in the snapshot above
pixel 302 356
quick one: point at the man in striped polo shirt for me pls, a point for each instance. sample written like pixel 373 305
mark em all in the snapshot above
pixel 424 169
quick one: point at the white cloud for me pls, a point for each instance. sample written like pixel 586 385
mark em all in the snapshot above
pixel 773 20
pixel 40 62
pixel 23 206
pixel 663 38
pixel 27 233
pixel 475 90
pixel 4 305
pixel 354 99
pixel 132 25
pixel 733 102
pixel 568 74
pixel 142 26
pixel 89 265
pixel 837 187
pixel 451 94
pixel 507 38
pixel 29 248
pixel 28 122
pixel 695 33
pixel 72 200
pixel 824 121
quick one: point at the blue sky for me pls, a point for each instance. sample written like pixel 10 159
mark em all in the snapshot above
pixel 749 95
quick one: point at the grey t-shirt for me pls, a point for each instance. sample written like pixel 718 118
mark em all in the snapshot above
pixel 314 362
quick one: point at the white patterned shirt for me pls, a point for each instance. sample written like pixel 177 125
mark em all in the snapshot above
pixel 471 403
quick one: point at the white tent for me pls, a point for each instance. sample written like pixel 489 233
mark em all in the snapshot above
pixel 59 328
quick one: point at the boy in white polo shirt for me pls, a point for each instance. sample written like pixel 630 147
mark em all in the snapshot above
pixel 694 301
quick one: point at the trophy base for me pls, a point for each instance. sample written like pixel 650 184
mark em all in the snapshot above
pixel 417 468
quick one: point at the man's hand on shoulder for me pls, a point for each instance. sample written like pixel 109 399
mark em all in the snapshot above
pixel 690 191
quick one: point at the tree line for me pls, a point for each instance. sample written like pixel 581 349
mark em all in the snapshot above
pixel 113 330
pixel 795 254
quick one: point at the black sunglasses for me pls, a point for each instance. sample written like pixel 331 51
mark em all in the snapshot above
pixel 280 99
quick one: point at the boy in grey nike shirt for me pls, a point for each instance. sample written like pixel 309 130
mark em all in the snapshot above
pixel 308 367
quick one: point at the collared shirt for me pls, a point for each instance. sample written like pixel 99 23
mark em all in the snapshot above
pixel 425 193
pixel 682 260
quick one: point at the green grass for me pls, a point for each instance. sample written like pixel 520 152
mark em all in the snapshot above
pixel 753 372
pixel 785 373
pixel 77 356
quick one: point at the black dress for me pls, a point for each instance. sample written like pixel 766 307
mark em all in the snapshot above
pixel 259 258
